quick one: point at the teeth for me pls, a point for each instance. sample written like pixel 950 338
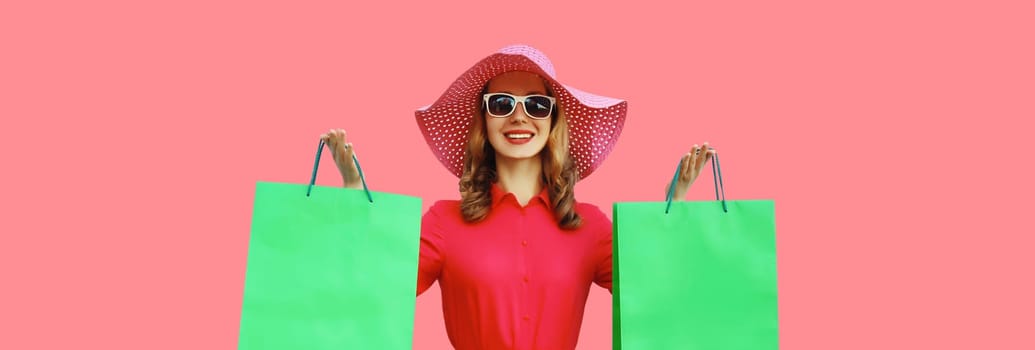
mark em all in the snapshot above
pixel 519 136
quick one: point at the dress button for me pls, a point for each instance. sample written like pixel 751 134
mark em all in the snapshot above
pixel 524 243
pixel 526 318
pixel 526 279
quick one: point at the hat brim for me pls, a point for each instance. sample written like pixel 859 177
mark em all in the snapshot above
pixel 594 122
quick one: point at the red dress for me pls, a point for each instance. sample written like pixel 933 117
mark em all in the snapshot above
pixel 515 280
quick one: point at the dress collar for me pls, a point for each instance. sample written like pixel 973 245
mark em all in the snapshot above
pixel 498 195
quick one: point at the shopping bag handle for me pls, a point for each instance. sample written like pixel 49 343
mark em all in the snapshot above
pixel 316 165
pixel 716 177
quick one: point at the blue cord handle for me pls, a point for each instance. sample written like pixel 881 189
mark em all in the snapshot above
pixel 717 178
pixel 672 187
pixel 316 165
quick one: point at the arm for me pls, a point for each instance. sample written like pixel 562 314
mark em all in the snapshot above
pixel 603 274
pixel 604 251
pixel 432 246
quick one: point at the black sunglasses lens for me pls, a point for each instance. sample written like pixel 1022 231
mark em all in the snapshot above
pixel 500 104
pixel 538 106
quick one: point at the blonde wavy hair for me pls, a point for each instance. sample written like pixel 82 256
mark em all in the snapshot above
pixel 559 172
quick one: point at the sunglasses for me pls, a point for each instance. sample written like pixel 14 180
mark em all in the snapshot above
pixel 502 105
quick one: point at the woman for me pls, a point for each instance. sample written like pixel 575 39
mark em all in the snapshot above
pixel 515 257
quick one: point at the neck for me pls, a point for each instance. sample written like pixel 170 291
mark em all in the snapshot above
pixel 520 177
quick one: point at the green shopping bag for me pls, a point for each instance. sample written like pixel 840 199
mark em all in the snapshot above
pixel 330 268
pixel 695 275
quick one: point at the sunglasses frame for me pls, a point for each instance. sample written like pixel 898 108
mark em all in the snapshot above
pixel 519 100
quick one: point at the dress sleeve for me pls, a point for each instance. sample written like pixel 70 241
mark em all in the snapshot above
pixel 603 252
pixel 432 246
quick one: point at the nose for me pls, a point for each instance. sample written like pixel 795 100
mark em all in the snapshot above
pixel 519 114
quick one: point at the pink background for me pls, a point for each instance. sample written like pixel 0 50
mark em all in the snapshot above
pixel 893 136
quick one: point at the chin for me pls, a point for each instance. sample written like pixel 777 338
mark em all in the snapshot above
pixel 510 153
pixel 518 156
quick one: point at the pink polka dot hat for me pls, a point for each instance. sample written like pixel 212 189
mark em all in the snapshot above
pixel 594 122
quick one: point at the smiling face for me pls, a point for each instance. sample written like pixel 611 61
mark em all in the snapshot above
pixel 517 136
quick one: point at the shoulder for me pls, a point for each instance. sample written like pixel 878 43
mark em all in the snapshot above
pixel 443 209
pixel 444 205
pixel 439 219
pixel 593 217
pixel 589 211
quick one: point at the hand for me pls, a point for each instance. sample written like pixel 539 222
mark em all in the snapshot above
pixel 690 167
pixel 342 152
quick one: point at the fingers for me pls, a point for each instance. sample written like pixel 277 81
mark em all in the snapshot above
pixel 347 154
pixel 710 153
pixel 684 168
pixel 695 162
pixel 328 138
pixel 335 140
pixel 340 134
pixel 339 138
pixel 342 152
pixel 337 135
pixel 702 156
pixel 692 162
pixel 341 149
